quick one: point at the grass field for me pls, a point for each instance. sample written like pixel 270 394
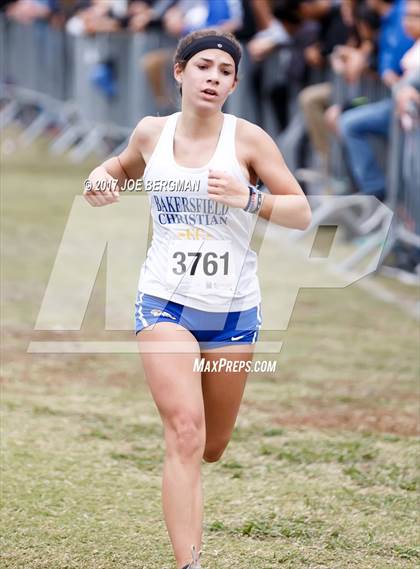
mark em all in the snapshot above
pixel 321 471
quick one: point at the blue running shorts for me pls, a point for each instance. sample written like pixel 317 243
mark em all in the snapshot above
pixel 211 329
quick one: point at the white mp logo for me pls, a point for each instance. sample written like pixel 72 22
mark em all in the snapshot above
pixel 114 234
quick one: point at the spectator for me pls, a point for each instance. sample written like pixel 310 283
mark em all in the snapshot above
pixel 284 30
pixel 358 124
pixel 248 27
pixel 183 17
pixel 5 4
pixel 407 91
pixel 63 10
pixel 98 16
pixel 336 24
pixel 345 60
pixel 187 16
pixel 277 22
pixel 28 11
pixel 407 97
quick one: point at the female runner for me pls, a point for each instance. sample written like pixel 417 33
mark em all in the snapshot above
pixel 198 291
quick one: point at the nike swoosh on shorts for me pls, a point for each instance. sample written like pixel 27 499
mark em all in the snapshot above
pixel 234 338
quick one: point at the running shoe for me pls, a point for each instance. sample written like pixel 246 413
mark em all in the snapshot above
pixel 195 563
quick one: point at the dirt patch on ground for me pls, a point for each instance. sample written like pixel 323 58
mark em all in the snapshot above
pixel 374 420
pixel 341 417
pixel 59 370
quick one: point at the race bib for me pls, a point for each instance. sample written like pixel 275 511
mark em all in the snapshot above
pixel 200 265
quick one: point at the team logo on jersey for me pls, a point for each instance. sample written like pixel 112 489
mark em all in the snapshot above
pixel 195 233
pixel 155 312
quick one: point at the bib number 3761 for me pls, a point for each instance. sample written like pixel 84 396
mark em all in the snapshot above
pixel 203 264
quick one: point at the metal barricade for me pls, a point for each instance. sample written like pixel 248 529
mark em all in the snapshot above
pixel 242 102
pixel 58 63
pixel 361 217
pixel 142 102
pixel 102 99
pixel 37 70
pixel 122 54
pixel 410 198
pixel 341 92
pixel 24 57
pixel 292 140
pixel 48 68
pixel 403 199
pixel 61 75
pixel 36 60
pixel 129 96
pixel 404 185
pixel 4 49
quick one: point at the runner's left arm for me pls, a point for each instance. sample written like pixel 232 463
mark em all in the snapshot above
pixel 286 204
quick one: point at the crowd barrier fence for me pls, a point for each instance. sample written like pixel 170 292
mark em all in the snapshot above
pixel 94 87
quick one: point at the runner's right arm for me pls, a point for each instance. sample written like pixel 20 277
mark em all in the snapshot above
pixel 104 182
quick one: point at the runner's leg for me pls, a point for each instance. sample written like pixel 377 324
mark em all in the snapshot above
pixel 176 389
pixel 222 394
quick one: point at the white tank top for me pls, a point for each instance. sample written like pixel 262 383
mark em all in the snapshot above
pixel 199 255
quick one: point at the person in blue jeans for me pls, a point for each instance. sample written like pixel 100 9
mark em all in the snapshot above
pixel 357 125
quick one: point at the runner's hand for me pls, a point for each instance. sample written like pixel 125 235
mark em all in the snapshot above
pixel 101 188
pixel 224 188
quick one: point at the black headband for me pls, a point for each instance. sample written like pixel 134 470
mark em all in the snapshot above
pixel 212 42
